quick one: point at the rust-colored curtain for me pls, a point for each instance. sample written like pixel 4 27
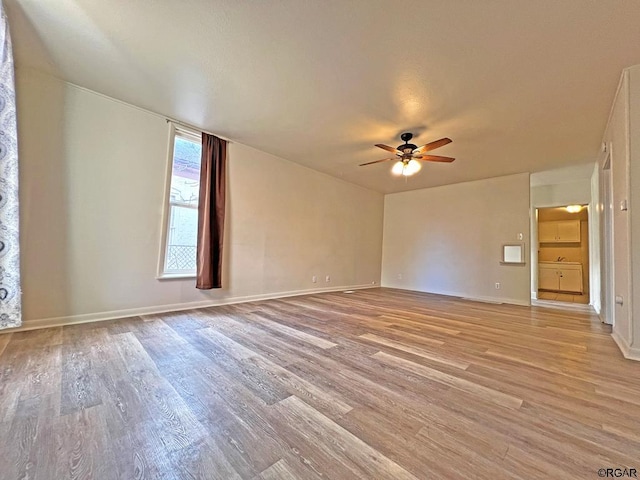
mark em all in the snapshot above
pixel 211 209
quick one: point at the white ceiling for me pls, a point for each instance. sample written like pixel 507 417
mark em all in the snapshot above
pixel 519 85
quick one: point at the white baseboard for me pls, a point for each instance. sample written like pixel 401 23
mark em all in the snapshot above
pixel 534 295
pixel 176 307
pixel 486 299
pixel 497 300
pixel 628 351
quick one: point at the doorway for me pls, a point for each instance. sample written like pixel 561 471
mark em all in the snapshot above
pixel 563 254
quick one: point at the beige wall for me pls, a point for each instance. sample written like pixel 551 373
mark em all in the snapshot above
pixel 562 193
pixel 448 239
pixel 92 193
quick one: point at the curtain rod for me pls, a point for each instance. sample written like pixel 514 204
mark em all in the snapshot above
pixel 198 129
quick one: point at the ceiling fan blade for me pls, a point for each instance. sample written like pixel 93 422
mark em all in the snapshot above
pixel 435 158
pixel 377 161
pixel 432 146
pixel 388 148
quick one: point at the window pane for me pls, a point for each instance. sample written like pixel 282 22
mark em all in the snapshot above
pixel 181 240
pixel 180 255
pixel 185 177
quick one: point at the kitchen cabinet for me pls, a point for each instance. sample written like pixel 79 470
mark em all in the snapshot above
pixel 560 276
pixel 561 231
pixel 548 278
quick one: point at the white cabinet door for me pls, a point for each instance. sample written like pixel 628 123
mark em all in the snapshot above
pixel 548 278
pixel 567 278
pixel 547 232
pixel 561 231
pixel 571 280
pixel 568 231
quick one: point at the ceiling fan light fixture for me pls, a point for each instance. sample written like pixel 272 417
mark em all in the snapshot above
pixel 406 167
pixel 398 168
pixel 412 167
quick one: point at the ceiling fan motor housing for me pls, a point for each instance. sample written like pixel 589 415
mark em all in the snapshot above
pixel 407 147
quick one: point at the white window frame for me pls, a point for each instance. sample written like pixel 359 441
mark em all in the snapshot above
pixel 193 135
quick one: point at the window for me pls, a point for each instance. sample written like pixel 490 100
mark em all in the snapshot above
pixel 178 256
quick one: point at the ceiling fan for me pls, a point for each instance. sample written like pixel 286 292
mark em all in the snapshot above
pixel 408 154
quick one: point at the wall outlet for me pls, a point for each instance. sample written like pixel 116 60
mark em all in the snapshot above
pixel 314 279
pixel 497 285
pixel 373 282
pixel 520 236
pixel 327 279
pixel 399 276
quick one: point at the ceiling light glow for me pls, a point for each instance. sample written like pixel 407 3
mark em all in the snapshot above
pixel 406 168
pixel 398 168
pixel 412 167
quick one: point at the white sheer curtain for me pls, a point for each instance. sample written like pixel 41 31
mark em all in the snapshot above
pixel 10 307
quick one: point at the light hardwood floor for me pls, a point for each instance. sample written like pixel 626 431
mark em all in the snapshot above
pixel 378 384
pixel 563 297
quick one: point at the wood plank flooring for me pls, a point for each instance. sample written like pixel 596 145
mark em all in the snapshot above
pixel 377 384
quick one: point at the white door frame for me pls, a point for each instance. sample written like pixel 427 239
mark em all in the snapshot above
pixel 606 228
